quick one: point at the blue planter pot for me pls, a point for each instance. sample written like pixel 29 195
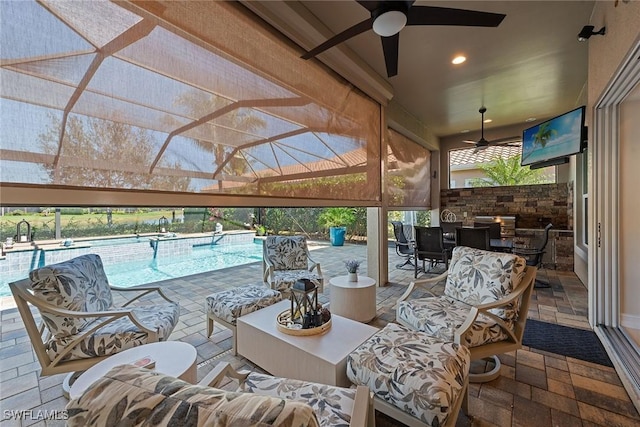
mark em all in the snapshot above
pixel 336 235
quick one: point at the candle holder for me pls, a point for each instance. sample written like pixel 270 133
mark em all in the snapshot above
pixel 304 304
pixel 305 317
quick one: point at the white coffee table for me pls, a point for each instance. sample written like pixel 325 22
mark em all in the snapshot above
pixel 354 300
pixel 318 358
pixel 174 358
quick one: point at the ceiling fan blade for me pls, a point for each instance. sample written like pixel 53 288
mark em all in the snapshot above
pixel 390 47
pixel 508 139
pixel 468 141
pixel 363 26
pixel 370 5
pixel 432 15
pixel 480 148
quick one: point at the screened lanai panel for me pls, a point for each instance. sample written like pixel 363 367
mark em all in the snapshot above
pixel 195 97
pixel 408 173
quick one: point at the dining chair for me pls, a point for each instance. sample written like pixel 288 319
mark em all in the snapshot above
pixel 429 246
pixel 495 229
pixel 533 256
pixel 404 245
pixel 473 237
pixel 449 233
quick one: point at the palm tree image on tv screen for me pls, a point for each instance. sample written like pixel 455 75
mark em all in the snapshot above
pixel 556 138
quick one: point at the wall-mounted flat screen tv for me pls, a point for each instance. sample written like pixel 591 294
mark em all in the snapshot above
pixel 553 140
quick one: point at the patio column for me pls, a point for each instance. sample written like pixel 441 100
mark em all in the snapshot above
pixel 377 245
pixel 58 225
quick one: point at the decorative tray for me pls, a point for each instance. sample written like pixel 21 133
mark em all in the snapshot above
pixel 286 326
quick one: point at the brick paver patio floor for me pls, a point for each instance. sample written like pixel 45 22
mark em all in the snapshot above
pixel 535 388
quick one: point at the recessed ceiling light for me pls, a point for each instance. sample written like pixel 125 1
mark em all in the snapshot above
pixel 458 59
pixel 530 119
pixel 464 131
pixel 487 120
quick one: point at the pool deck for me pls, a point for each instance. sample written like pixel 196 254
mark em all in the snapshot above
pixel 535 388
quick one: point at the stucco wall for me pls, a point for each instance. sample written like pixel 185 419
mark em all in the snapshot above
pixel 606 54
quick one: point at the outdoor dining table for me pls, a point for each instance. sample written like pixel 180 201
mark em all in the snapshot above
pixel 504 244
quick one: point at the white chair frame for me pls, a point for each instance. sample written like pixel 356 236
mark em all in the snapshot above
pixel 362 415
pixel 38 334
pixel 514 342
pixel 269 269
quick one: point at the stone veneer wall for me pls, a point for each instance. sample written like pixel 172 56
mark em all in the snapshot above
pixel 533 206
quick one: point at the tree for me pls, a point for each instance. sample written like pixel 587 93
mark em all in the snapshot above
pixel 544 134
pixel 103 146
pixel 200 104
pixel 504 172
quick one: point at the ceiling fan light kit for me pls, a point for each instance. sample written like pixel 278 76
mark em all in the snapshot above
pixel 388 18
pixel 389 23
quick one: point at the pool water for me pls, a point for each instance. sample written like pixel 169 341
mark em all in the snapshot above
pixel 202 259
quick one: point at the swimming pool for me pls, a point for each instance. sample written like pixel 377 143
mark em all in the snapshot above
pixel 202 258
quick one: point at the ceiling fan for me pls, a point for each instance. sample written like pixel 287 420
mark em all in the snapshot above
pixel 482 143
pixel 389 17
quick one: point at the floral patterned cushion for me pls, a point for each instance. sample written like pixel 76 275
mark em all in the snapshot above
pixel 118 335
pixel 284 280
pixel 479 277
pixel 230 304
pixel 418 374
pixel 130 396
pixel 333 405
pixel 286 253
pixel 79 284
pixel 440 316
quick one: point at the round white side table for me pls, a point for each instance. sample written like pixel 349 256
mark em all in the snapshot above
pixel 174 358
pixel 354 300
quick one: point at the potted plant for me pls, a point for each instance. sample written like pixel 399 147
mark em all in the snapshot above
pixel 336 220
pixel 352 268
pixel 261 230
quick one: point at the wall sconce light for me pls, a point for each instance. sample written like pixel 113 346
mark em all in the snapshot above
pixel 587 31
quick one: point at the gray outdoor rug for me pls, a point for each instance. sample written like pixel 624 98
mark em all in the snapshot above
pixel 571 342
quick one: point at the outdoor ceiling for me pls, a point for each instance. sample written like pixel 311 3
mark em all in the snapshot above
pixel 530 66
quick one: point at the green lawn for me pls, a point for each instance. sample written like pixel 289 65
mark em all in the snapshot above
pixel 96 224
